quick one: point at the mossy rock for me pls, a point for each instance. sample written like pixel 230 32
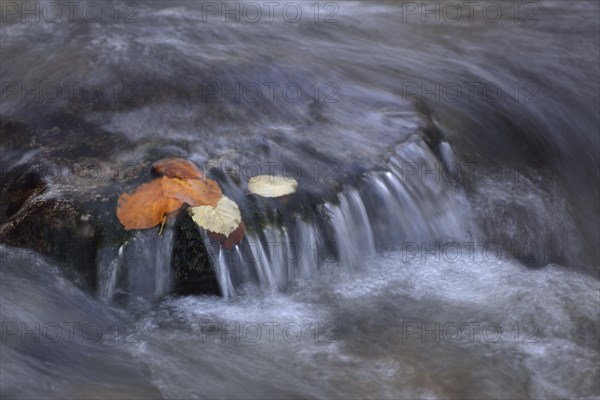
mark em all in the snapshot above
pixel 193 270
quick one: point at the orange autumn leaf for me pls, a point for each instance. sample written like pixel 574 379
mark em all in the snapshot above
pixel 234 237
pixel 146 206
pixel 178 168
pixel 150 202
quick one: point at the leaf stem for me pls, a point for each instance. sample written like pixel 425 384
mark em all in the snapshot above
pixel 162 225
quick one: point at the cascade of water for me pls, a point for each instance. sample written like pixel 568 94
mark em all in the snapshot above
pixel 427 201
pixel 305 254
pixel 148 258
pixel 278 244
pixel 109 265
pixel 221 262
pixel 410 202
pixel 353 233
pixel 272 260
pixel 262 265
pixel 223 275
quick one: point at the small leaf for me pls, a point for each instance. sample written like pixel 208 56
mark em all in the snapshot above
pixel 224 218
pixel 272 186
pixel 146 206
pixel 178 168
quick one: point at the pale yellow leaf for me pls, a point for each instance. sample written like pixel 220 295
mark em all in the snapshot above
pixel 224 218
pixel 272 186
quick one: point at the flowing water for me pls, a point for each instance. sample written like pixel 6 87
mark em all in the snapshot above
pixel 442 243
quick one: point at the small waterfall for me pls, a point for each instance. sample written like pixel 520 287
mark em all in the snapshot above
pixel 222 263
pixel 402 211
pixel 148 260
pixel 223 276
pixel 278 244
pixel 424 201
pixel 262 265
pixel 272 260
pixel 267 261
pixel 109 266
pixel 416 201
pixel 141 267
pixel 306 250
pixel 353 233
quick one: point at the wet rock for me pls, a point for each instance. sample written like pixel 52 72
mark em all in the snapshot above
pixel 60 230
pixel 19 185
pixel 64 209
pixel 194 273
pixel 513 220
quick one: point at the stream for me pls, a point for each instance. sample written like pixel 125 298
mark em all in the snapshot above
pixel 443 241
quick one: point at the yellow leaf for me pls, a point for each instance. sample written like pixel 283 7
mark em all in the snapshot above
pixel 272 186
pixel 224 218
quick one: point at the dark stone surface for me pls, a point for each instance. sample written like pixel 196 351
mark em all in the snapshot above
pixel 60 230
pixel 191 263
